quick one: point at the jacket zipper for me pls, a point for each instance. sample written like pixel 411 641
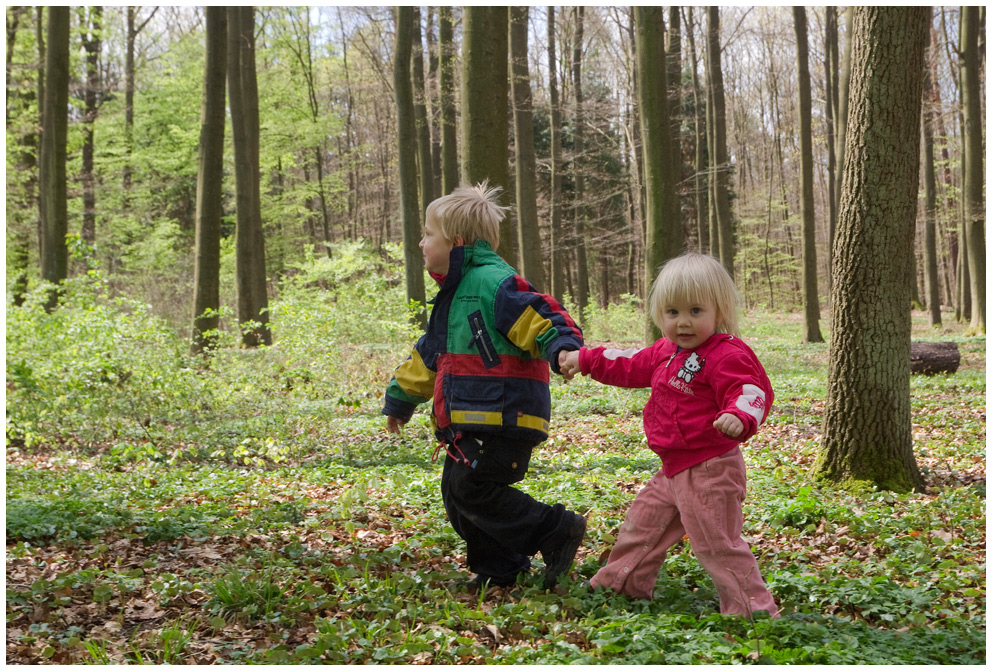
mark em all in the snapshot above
pixel 482 340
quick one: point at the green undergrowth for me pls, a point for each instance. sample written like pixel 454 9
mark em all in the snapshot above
pixel 250 508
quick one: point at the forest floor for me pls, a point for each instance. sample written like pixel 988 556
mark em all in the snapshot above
pixel 295 530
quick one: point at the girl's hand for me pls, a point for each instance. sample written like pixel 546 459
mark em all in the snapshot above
pixel 729 424
pixel 568 363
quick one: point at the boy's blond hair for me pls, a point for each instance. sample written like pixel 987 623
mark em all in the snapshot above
pixel 691 278
pixel 471 212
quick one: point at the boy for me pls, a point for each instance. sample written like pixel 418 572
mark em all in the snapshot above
pixel 484 361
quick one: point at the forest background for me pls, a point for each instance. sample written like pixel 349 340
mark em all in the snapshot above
pixel 88 385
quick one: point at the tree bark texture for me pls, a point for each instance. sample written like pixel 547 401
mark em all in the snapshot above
pixel 250 244
pixel 531 261
pixel 930 277
pixel 407 138
pixel 210 184
pixel 974 161
pixel 664 226
pixel 485 108
pixel 867 437
pixel 579 166
pixel 557 253
pixel 446 76
pixel 720 163
pixel 811 296
pixel 54 133
pixel 424 160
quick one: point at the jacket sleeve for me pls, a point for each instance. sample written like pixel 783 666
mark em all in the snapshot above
pixel 412 384
pixel 535 322
pixel 743 389
pixel 632 368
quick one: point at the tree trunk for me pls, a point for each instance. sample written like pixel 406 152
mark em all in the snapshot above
pixel 867 436
pixel 720 162
pixel 449 130
pixel 699 179
pixel 974 208
pixel 210 185
pixel 811 296
pixel 532 263
pixel 406 136
pixel 579 167
pixel 54 133
pixel 557 250
pixel 664 227
pixel 485 104
pixel 424 159
pixel 92 45
pixel 831 62
pixel 673 65
pixel 133 30
pixel 250 245
pixel 930 197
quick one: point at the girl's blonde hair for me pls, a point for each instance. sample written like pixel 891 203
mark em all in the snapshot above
pixel 471 212
pixel 692 278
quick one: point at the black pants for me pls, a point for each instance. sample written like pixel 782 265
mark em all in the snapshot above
pixel 502 526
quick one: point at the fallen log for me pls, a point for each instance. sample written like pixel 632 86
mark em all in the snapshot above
pixel 934 357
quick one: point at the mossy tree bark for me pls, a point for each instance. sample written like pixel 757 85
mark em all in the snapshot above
pixel 867 436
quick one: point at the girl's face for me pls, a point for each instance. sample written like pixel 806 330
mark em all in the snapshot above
pixel 690 324
pixel 436 248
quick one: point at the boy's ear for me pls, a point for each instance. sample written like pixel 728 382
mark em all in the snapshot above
pixel 459 241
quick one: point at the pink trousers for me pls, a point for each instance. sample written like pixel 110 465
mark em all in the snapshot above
pixel 705 502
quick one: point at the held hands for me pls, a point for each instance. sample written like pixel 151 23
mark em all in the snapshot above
pixel 568 363
pixel 729 425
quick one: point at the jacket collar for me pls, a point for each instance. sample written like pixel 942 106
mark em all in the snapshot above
pixel 461 258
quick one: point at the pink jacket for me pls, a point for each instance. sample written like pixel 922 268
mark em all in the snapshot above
pixel 689 390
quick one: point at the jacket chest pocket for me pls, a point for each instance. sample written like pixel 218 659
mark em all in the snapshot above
pixel 481 340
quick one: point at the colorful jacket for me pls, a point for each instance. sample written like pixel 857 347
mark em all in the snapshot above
pixel 484 358
pixel 689 390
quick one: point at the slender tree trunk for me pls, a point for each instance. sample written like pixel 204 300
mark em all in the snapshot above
pixel 210 185
pixel 446 74
pixel 579 166
pixel 974 209
pixel 930 275
pixel 557 250
pixel 811 296
pixel 831 64
pixel 424 159
pixel 434 86
pixel 532 265
pixel 673 64
pixel 250 244
pixel 721 161
pixel 664 226
pixel 407 137
pixel 699 179
pixel 867 435
pixel 485 107
pixel 54 135
pixel 92 46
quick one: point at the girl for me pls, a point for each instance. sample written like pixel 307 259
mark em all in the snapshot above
pixel 709 394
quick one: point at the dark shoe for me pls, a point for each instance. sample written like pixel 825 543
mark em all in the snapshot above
pixel 559 559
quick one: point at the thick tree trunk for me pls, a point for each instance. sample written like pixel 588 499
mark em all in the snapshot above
pixel 407 137
pixel 485 107
pixel 664 227
pixel 811 296
pixel 531 258
pixel 250 267
pixel 210 185
pixel 54 134
pixel 867 437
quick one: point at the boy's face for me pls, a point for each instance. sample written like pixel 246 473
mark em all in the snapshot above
pixel 689 325
pixel 436 248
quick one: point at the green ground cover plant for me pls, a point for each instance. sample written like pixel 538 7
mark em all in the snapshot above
pixel 250 508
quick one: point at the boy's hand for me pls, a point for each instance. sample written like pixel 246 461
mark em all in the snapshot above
pixel 729 424
pixel 393 425
pixel 568 363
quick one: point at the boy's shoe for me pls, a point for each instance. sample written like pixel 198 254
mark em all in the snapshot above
pixel 558 560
